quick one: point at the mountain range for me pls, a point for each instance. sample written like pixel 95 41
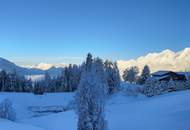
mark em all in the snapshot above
pixel 10 67
pixel 165 60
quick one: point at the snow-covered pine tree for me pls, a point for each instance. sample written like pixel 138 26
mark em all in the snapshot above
pixel 28 85
pixel 52 87
pixel 116 75
pixel 91 96
pixel 59 83
pixel 13 80
pixel 112 76
pixel 19 84
pixel 75 77
pixel 130 74
pixel 6 110
pixel 47 82
pixel 89 61
pixel 3 80
pixel 66 79
pixel 70 78
pixel 144 75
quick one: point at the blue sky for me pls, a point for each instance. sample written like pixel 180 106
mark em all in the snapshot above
pixel 56 31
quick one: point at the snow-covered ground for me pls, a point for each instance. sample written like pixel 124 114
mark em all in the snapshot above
pixel 166 112
pixel 21 101
pixel 8 125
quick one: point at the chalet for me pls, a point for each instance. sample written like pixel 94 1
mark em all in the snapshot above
pixel 168 75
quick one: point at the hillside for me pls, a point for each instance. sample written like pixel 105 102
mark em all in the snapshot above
pixel 10 67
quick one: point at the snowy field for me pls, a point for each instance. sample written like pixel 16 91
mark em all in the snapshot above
pixel 166 112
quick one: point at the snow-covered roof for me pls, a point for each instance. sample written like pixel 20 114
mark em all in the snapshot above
pixel 159 77
pixel 160 73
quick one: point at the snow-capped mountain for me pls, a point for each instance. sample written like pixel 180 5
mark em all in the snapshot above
pixel 7 65
pixel 165 60
pixel 11 67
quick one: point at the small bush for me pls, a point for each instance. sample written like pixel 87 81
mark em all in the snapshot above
pixel 6 110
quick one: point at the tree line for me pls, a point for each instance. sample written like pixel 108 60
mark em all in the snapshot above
pixel 11 82
pixel 132 75
pixel 67 81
